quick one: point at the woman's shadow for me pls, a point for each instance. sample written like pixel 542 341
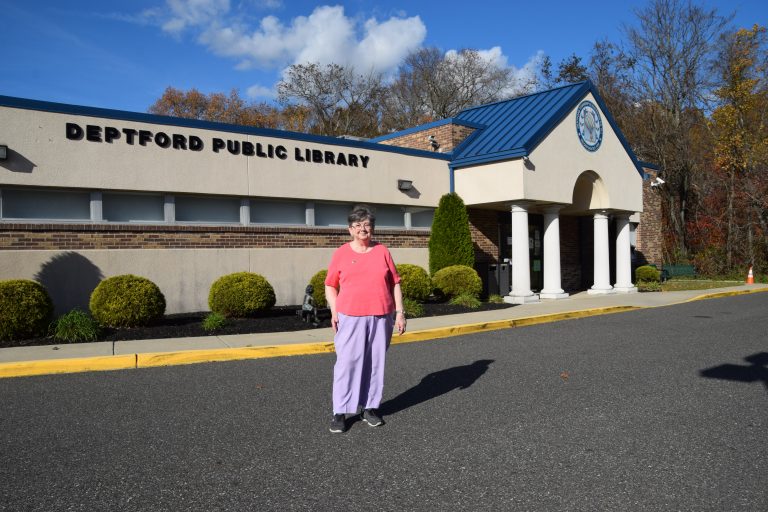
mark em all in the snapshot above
pixel 436 384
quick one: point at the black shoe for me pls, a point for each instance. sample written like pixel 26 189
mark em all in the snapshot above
pixel 372 418
pixel 338 424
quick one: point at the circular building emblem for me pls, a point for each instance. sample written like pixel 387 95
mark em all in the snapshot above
pixel 589 126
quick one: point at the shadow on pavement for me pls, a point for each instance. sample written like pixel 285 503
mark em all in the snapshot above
pixel 436 384
pixel 756 371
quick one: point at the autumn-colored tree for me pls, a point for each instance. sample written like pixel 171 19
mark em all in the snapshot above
pixel 218 107
pixel 741 143
pixel 669 51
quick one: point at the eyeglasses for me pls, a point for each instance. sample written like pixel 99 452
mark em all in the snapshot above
pixel 359 226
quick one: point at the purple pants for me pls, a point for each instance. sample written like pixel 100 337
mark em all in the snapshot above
pixel 361 344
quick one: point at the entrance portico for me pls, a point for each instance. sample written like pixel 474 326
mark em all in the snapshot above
pixel 576 165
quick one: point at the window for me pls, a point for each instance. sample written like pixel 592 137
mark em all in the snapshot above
pixel 46 205
pixel 422 219
pixel 132 208
pixel 278 212
pixel 389 216
pixel 332 214
pixel 211 210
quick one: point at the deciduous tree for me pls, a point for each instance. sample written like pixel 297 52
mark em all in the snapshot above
pixel 339 100
pixel 670 49
pixel 218 107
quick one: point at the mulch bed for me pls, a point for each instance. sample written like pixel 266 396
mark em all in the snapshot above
pixel 277 319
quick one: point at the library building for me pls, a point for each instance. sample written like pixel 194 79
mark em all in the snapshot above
pixel 557 201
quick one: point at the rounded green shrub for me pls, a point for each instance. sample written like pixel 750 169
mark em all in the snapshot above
pixel 647 274
pixel 126 301
pixel 25 309
pixel 214 322
pixel 457 280
pixel 241 294
pixel 318 288
pixel 414 282
pixel 76 326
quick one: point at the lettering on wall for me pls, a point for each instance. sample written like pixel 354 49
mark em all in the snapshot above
pixel 133 137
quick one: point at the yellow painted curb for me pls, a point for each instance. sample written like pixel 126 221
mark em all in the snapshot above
pixel 570 315
pixel 457 330
pixel 726 294
pixel 155 359
pixel 85 364
pixel 150 360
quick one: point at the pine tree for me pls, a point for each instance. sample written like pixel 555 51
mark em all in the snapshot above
pixel 451 241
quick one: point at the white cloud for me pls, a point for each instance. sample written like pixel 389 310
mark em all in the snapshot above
pixel 525 76
pixel 259 91
pixel 386 44
pixel 270 4
pixel 326 35
pixel 190 13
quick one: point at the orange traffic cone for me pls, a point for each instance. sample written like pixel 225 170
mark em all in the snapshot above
pixel 750 277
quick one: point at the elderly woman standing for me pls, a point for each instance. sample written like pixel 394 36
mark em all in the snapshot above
pixel 363 292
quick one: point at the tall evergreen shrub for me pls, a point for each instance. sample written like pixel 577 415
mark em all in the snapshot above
pixel 451 241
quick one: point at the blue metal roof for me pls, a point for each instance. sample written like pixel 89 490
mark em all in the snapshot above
pixel 513 128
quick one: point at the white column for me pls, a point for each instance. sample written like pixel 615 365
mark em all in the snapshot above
pixel 552 287
pixel 521 266
pixel 602 270
pixel 623 256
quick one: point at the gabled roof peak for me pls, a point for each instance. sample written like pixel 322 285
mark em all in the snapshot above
pixel 584 83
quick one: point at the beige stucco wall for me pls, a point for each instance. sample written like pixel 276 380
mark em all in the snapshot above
pixel 555 165
pixel 52 160
pixel 183 275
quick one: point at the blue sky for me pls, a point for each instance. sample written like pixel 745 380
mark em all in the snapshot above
pixel 122 55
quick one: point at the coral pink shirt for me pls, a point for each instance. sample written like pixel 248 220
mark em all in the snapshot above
pixel 365 281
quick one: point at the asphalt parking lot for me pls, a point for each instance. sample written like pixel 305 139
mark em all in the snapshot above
pixel 658 409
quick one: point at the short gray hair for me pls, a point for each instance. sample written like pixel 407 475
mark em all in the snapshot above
pixel 360 213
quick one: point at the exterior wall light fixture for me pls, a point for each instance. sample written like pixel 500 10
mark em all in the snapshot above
pixel 3 152
pixel 404 185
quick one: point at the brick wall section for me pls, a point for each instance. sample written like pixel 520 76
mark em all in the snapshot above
pixel 649 232
pixel 484 227
pixel 448 136
pixel 121 236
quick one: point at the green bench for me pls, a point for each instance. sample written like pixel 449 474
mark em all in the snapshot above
pixel 670 271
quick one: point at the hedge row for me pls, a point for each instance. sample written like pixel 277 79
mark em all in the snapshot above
pixel 26 309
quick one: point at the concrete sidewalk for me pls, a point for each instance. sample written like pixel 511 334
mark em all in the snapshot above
pixel 68 358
